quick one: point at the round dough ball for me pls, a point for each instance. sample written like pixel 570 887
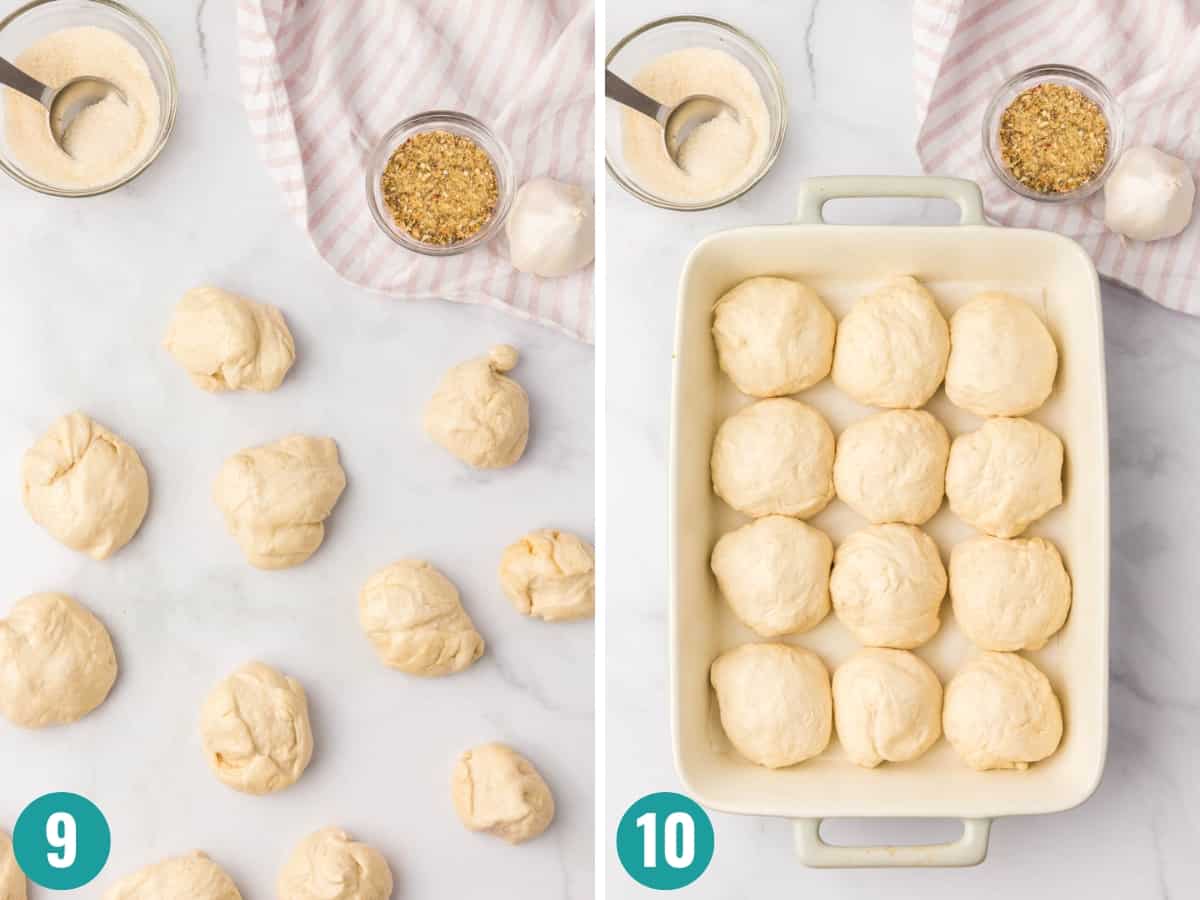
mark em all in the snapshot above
pixel 774 336
pixel 1009 594
pixel 774 456
pixel 1002 358
pixel 887 586
pixel 228 343
pixel 892 347
pixel 478 414
pixel 85 486
pixel 12 879
pixel 276 498
pixel 1001 713
pixel 497 790
pixel 327 865
pixel 412 615
pixel 255 730
pixel 891 467
pixel 57 662
pixel 1005 475
pixel 775 702
pixel 194 876
pixel 550 575
pixel 774 573
pixel 887 705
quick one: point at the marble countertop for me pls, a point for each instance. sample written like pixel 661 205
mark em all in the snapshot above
pixel 847 68
pixel 88 287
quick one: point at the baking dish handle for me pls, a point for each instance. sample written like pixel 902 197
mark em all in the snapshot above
pixel 816 192
pixel 968 850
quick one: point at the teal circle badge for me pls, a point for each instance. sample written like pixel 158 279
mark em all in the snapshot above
pixel 61 841
pixel 665 841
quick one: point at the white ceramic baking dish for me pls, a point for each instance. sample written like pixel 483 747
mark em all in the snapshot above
pixel 842 262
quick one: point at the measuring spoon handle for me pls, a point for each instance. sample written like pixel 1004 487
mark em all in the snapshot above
pixel 616 88
pixel 26 84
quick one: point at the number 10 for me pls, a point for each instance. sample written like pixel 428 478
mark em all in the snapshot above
pixel 679 840
pixel 60 834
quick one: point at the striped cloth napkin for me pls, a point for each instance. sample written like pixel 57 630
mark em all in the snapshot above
pixel 1147 52
pixel 323 81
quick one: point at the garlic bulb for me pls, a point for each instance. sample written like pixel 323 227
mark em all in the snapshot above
pixel 1148 195
pixel 551 229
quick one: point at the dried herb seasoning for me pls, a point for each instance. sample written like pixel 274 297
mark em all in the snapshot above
pixel 1053 138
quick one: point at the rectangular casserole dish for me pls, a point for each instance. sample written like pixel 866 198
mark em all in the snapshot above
pixel 842 262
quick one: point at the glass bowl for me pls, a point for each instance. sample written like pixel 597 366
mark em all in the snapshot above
pixel 35 20
pixel 652 40
pixel 1087 84
pixel 455 123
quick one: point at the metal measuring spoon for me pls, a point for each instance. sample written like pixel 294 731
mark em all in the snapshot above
pixel 677 122
pixel 64 104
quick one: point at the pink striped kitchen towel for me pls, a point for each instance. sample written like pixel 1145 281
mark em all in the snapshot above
pixel 323 81
pixel 1148 54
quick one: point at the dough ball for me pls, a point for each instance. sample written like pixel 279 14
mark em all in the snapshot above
pixel 1009 594
pixel 194 876
pixel 887 585
pixel 413 617
pixel 891 467
pixel 327 865
pixel 774 573
pixel 775 703
pixel 1002 358
pixel 478 414
pixel 1005 475
pixel 12 879
pixel 228 343
pixel 887 705
pixel 57 662
pixel 255 730
pixel 892 347
pixel 1001 713
pixel 774 456
pixel 85 486
pixel 277 497
pixel 550 575
pixel 774 336
pixel 497 790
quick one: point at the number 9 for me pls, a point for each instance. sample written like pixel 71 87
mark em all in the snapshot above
pixel 60 834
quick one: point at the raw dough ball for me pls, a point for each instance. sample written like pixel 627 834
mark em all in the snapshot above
pixel 1149 195
pixel 497 790
pixel 1001 713
pixel 892 347
pixel 12 879
pixel 255 730
pixel 775 702
pixel 194 876
pixel 1009 594
pixel 228 343
pixel 277 497
pixel 57 662
pixel 774 456
pixel 551 229
pixel 478 414
pixel 887 585
pixel 85 486
pixel 413 617
pixel 551 575
pixel 774 336
pixel 1002 358
pixel 891 467
pixel 327 865
pixel 887 705
pixel 1005 475
pixel 774 573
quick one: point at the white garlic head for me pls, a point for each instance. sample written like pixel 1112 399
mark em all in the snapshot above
pixel 1149 195
pixel 551 229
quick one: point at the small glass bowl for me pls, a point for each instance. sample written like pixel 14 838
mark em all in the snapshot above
pixel 35 20
pixel 1087 84
pixel 455 123
pixel 652 40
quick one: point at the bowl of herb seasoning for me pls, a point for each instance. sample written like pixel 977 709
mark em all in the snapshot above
pixel 440 183
pixel 1053 133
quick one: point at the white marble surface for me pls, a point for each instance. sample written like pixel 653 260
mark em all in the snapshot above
pixel 87 290
pixel 847 71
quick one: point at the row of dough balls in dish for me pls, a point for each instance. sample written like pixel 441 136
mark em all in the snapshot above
pixel 998 711
pixel 894 349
